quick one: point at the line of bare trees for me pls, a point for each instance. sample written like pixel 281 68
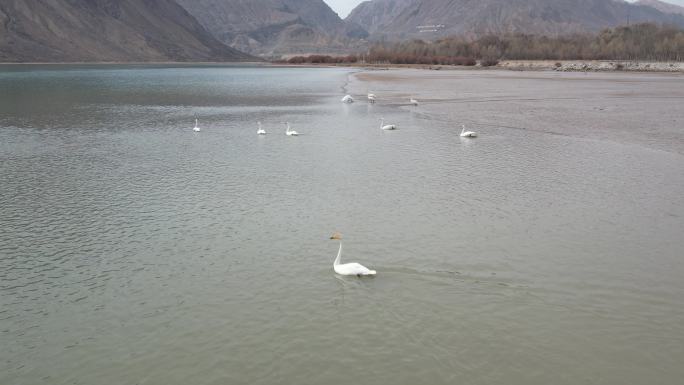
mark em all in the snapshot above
pixel 635 42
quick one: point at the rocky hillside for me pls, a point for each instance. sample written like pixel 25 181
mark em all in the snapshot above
pixel 275 27
pixel 105 31
pixel 401 19
pixel 378 14
pixel 662 6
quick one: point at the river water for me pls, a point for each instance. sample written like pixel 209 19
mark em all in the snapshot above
pixel 135 251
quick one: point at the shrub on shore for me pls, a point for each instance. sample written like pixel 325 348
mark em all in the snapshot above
pixel 323 59
pixel 489 62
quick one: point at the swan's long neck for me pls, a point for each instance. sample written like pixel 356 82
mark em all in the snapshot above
pixel 463 129
pixel 196 122
pixel 339 255
pixel 382 123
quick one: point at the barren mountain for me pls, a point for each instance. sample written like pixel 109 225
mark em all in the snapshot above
pixel 400 19
pixel 274 27
pixel 662 6
pixel 105 30
pixel 374 15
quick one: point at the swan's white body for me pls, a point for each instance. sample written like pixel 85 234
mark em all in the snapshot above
pixel 260 130
pixel 289 131
pixel 371 98
pixel 350 268
pixel 347 99
pixel 196 128
pixel 413 101
pixel 383 126
pixel 467 134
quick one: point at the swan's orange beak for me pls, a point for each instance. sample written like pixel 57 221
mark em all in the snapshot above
pixel 336 236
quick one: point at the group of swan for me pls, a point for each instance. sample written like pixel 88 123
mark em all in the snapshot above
pixel 387 127
pixel 352 268
pixel 348 99
pixel 288 130
pixel 372 98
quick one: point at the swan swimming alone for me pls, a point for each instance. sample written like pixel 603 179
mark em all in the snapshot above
pixel 388 126
pixel 289 131
pixel 413 101
pixel 467 134
pixel 371 97
pixel 347 99
pixel 196 128
pixel 260 130
pixel 348 268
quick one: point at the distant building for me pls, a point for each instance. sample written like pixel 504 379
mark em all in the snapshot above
pixel 430 28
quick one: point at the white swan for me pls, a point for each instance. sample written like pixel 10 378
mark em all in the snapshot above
pixel 196 128
pixel 348 268
pixel 467 134
pixel 413 101
pixel 386 127
pixel 347 99
pixel 260 130
pixel 371 97
pixel 289 131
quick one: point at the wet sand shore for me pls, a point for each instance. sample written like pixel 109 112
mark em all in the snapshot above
pixel 642 109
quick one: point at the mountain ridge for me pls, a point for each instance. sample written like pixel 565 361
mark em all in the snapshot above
pixel 105 31
pixel 662 6
pixel 273 27
pixel 400 19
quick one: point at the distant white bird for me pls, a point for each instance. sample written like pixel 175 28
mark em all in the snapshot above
pixel 260 130
pixel 289 131
pixel 196 128
pixel 348 268
pixel 467 134
pixel 371 97
pixel 347 99
pixel 386 127
pixel 413 101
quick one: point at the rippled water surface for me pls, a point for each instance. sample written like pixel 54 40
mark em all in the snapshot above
pixel 135 251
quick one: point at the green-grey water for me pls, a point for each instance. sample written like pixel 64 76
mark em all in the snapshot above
pixel 135 251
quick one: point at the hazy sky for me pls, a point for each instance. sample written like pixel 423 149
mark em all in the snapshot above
pixel 343 7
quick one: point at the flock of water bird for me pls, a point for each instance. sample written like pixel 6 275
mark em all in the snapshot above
pixel 352 268
pixel 349 99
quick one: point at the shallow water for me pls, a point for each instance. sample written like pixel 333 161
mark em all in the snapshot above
pixel 133 250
